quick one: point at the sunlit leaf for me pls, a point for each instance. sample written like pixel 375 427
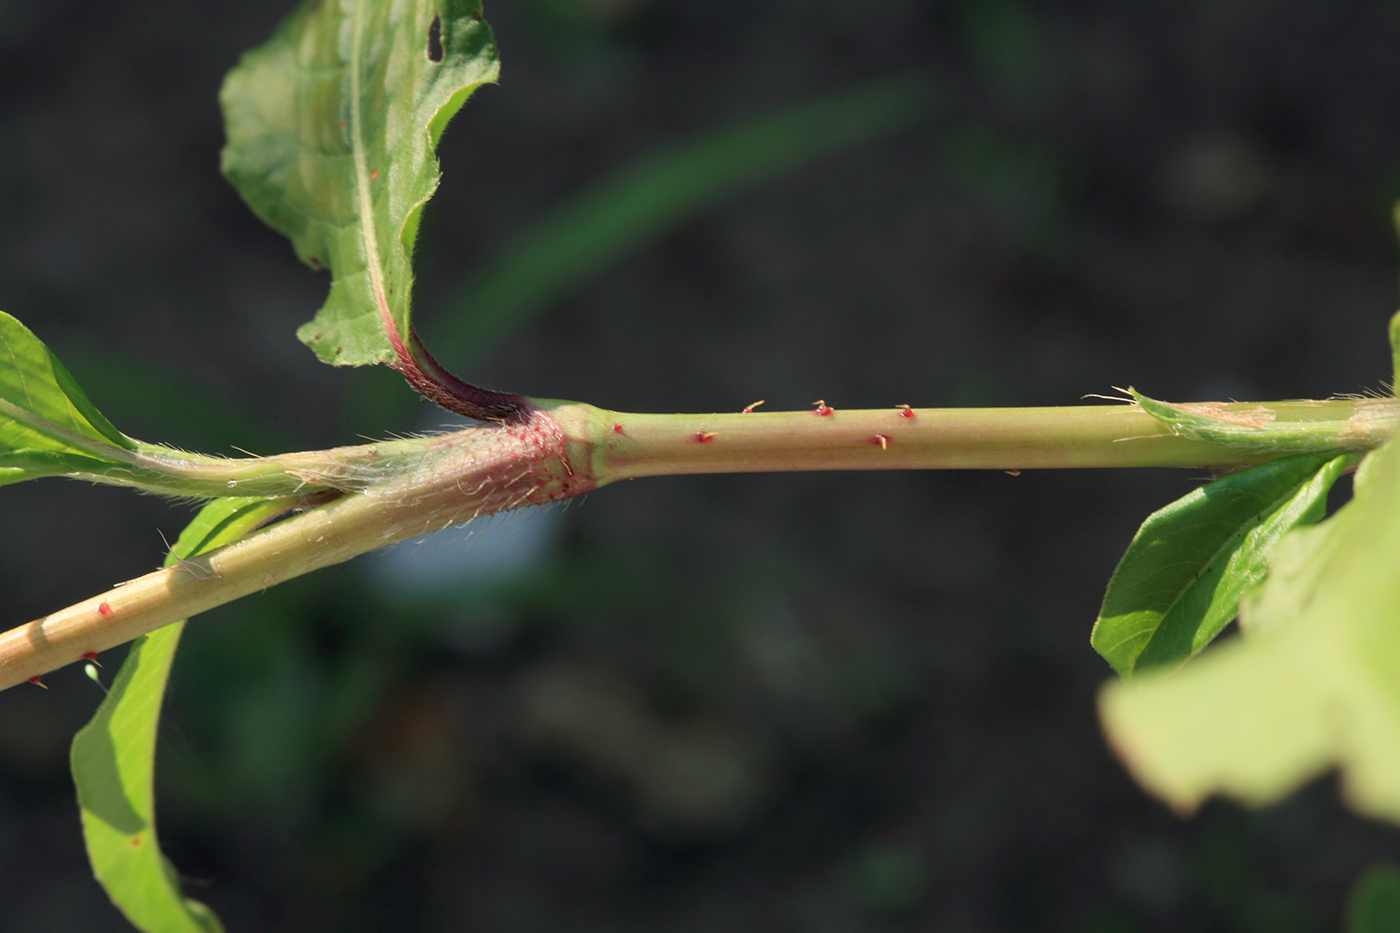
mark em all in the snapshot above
pixel 46 421
pixel 1180 581
pixel 113 756
pixel 332 127
pixel 1314 684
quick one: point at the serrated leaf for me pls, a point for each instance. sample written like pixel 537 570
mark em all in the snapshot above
pixel 1316 689
pixel 332 127
pixel 113 756
pixel 45 416
pixel 1179 584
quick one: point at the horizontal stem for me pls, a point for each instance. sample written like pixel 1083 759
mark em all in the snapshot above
pixel 403 489
pixel 626 446
pixel 456 477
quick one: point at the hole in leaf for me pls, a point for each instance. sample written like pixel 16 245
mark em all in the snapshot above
pixel 435 53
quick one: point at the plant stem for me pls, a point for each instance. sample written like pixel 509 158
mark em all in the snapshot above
pixel 626 446
pixel 405 489
pixel 453 478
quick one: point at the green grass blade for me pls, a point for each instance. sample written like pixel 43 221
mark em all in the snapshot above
pixel 113 756
pixel 1316 689
pixel 616 214
pixel 332 126
pixel 1181 579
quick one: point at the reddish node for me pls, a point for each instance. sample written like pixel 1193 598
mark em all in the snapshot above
pixel 373 174
pixel 883 440
pixel 103 609
pixel 37 682
pixel 822 409
pixel 89 655
pixel 704 437
pixel 906 411
pixel 617 429
pixel 748 409
pixel 1013 472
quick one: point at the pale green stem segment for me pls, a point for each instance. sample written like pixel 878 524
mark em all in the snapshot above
pixel 1224 435
pixel 403 489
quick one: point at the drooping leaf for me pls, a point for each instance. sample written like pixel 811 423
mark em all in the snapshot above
pixel 642 200
pixel 46 420
pixel 332 127
pixel 1179 583
pixel 1318 687
pixel 113 756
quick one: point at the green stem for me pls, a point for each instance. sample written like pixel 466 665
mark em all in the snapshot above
pixel 399 490
pixel 448 480
pixel 626 446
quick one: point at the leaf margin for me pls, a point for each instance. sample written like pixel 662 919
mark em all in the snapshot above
pixel 116 794
pixel 1134 631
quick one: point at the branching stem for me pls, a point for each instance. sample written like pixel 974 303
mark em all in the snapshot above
pixel 403 489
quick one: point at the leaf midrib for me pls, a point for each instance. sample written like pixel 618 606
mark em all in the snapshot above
pixel 362 192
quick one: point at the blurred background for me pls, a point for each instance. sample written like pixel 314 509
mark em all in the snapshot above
pixel 820 703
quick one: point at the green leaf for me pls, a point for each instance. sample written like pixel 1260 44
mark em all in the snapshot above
pixel 639 202
pixel 1180 581
pixel 44 414
pixel 1318 687
pixel 332 127
pixel 1374 903
pixel 113 756
pixel 1294 565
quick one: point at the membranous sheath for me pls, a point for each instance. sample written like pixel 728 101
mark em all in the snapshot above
pixel 434 483
pixel 1279 428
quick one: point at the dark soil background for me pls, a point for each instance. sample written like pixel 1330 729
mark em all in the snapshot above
pixel 801 703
